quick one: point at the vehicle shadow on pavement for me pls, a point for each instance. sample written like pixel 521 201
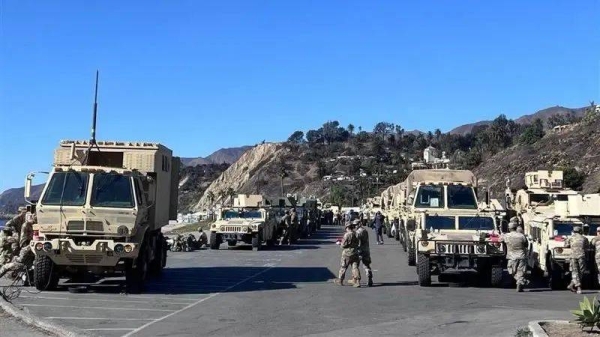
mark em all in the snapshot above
pixel 207 280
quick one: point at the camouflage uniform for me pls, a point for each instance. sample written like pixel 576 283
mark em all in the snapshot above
pixel 293 228
pixel 363 251
pixel 596 244
pixel 516 245
pixel 26 257
pixel 349 257
pixel 9 238
pixel 578 244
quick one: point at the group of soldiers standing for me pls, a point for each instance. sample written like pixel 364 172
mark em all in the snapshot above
pixel 355 249
pixel 15 251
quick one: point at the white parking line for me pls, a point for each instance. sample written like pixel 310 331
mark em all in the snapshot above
pixel 195 303
pixel 96 300
pixel 125 296
pixel 101 318
pixel 109 329
pixel 99 308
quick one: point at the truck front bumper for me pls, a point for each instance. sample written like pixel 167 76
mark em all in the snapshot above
pixel 103 253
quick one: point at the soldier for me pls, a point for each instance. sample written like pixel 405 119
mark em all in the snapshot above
pixel 378 225
pixel 363 250
pixel 350 256
pixel 202 239
pixel 579 245
pixel 596 244
pixel 285 228
pixel 293 229
pixel 26 257
pixel 516 254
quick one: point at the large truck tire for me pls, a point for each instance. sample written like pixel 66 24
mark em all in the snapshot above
pixel 45 274
pixel 214 241
pixel 397 234
pixel 411 255
pixel 231 243
pixel 135 278
pixel 256 242
pixel 496 276
pixel 424 271
pixel 160 256
pixel 555 277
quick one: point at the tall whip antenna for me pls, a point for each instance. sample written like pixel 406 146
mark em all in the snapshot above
pixel 93 139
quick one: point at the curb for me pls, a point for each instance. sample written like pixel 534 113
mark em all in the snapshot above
pixel 537 330
pixel 50 327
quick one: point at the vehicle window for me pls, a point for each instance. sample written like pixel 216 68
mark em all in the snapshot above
pixel 439 222
pixel 430 196
pixel 138 191
pixel 561 197
pixel 475 223
pixel 461 197
pixel 563 228
pixel 67 189
pixel 539 197
pixel 112 190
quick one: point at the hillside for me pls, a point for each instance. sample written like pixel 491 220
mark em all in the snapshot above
pixel 225 155
pixel 544 115
pixel 194 180
pixel 11 199
pixel 576 146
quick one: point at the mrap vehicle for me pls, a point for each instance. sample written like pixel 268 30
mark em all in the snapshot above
pixel 101 212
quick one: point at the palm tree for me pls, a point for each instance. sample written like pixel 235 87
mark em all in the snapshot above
pixel 211 197
pixel 351 129
pixel 222 195
pixel 231 194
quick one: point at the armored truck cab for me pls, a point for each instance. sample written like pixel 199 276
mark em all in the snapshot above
pixel 446 230
pixel 101 211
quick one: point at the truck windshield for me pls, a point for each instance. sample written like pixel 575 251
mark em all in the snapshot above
pixel 563 228
pixel 439 222
pixel 461 197
pixel 540 197
pixel 67 189
pixel 430 196
pixel 242 214
pixel 112 190
pixel 475 223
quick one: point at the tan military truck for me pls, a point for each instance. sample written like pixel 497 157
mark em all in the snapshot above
pixel 445 229
pixel 250 221
pixel 549 211
pixel 101 212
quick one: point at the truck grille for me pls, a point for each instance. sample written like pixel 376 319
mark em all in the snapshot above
pixel 73 226
pixel 96 226
pixel 453 248
pixel 85 259
pixel 231 229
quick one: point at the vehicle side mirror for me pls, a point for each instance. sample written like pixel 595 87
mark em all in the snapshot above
pixel 28 186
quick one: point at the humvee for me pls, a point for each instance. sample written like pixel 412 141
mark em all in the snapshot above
pixel 249 221
pixel 444 228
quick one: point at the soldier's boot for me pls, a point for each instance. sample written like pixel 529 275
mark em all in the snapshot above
pixel 571 287
pixel 370 281
pixel 356 283
pixel 519 288
pixel 578 290
pixel 339 281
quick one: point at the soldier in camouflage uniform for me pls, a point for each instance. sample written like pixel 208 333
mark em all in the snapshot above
pixel 293 226
pixel 349 257
pixel 579 245
pixel 9 237
pixel 26 257
pixel 596 244
pixel 516 254
pixel 363 250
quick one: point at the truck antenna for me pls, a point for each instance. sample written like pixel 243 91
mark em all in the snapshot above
pixel 93 139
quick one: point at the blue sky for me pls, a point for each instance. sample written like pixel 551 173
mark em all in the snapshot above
pixel 201 75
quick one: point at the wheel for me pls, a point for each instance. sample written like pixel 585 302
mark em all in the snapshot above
pixel 160 253
pixel 45 275
pixel 496 274
pixel 389 233
pixel 555 277
pixel 424 271
pixel 256 242
pixel 214 241
pixel 135 278
pixel 397 236
pixel 231 243
pixel 411 255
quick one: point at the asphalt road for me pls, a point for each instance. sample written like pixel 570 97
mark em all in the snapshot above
pixel 289 291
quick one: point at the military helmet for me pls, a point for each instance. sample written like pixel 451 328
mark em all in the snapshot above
pixel 512 225
pixel 577 229
pixel 356 222
pixel 22 209
pixel 349 224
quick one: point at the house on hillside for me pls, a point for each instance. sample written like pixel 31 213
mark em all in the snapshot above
pixel 431 160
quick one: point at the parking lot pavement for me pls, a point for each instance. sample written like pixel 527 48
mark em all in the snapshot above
pixel 289 291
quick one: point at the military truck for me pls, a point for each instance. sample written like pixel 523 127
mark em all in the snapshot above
pixel 446 230
pixel 549 211
pixel 250 221
pixel 101 212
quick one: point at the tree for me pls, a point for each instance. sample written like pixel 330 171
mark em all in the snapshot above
pixel 314 137
pixel 322 169
pixel 573 178
pixel 383 129
pixel 591 112
pixel 211 197
pixel 296 138
pixel 222 195
pixel 533 133
pixel 438 134
pixel 231 194
pixel 351 129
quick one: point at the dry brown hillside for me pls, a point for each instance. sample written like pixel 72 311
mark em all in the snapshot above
pixel 577 146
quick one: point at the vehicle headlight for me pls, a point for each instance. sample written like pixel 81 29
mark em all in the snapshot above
pixel 213 226
pixel 424 243
pixel 441 248
pixel 481 249
pixel 123 231
pixel 558 250
pixel 128 248
pixel 47 246
pixel 39 246
pixel 119 248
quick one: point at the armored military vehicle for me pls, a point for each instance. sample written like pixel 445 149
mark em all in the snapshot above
pixel 101 211
pixel 250 221
pixel 444 229
pixel 548 212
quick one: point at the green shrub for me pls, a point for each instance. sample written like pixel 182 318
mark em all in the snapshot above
pixel 588 315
